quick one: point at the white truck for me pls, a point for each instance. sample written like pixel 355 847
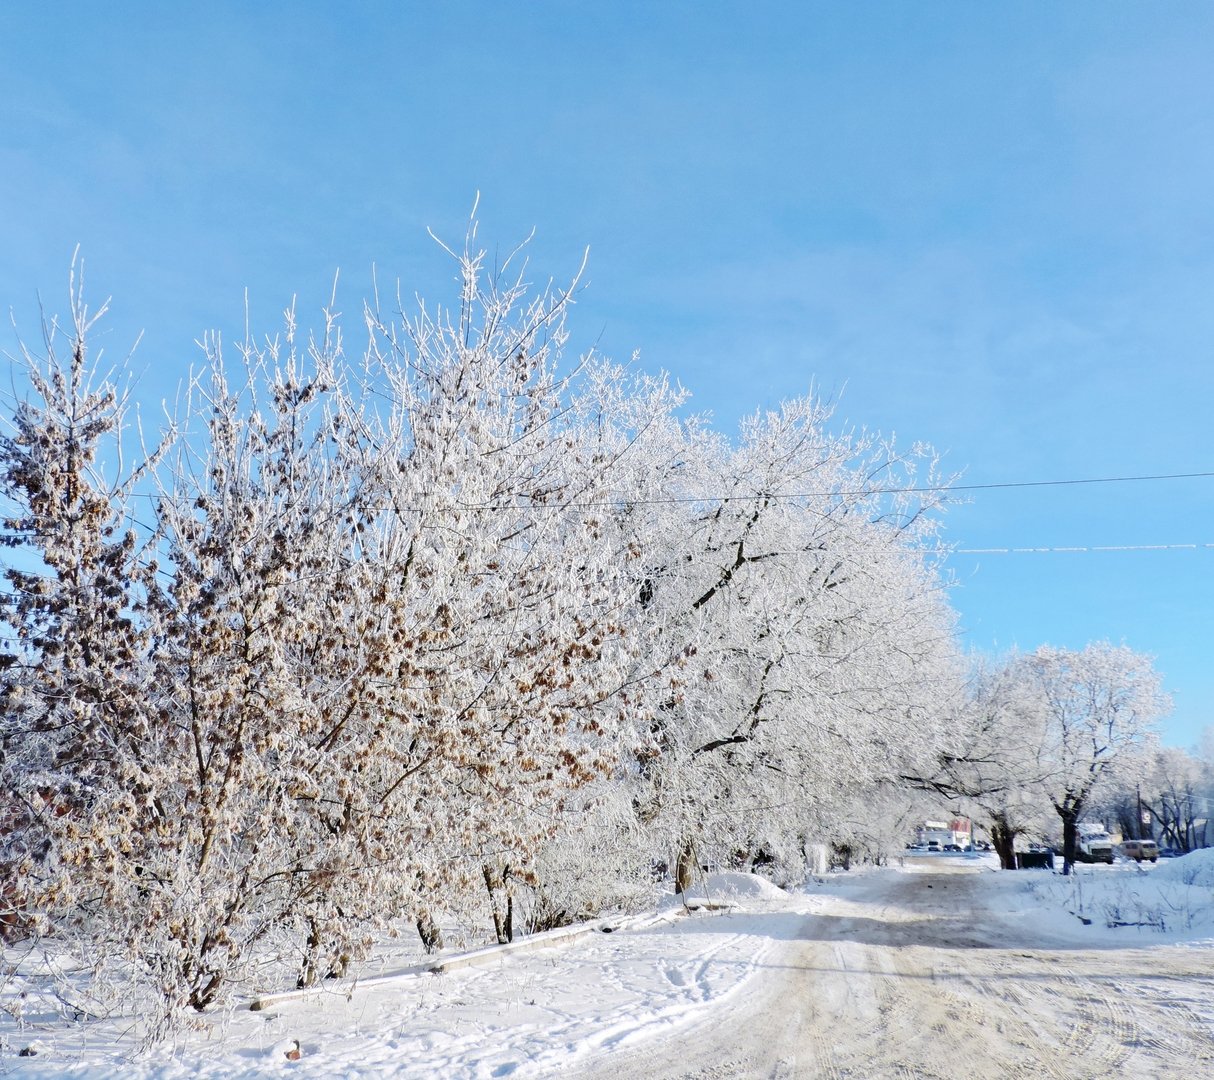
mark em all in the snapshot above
pixel 1094 844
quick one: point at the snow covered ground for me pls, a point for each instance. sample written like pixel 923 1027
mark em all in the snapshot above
pixel 590 1003
pixel 1171 900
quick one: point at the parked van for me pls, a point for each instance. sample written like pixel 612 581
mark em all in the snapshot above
pixel 1139 850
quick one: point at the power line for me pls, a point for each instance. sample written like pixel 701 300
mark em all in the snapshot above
pixel 666 500
pixel 1063 483
pixel 621 499
pixel 1080 550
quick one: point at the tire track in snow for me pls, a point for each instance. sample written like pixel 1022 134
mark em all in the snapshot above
pixel 916 976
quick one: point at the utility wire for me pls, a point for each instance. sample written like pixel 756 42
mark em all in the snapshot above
pixel 1063 483
pixel 556 503
pixel 1080 550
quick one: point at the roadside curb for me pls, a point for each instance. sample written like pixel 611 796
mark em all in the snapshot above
pixel 546 939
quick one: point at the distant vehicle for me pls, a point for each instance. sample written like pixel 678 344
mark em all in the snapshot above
pixel 1138 850
pixel 982 845
pixel 1170 853
pixel 1095 847
pixel 933 845
pixel 952 847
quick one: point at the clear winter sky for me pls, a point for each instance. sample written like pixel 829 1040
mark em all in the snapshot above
pixel 985 226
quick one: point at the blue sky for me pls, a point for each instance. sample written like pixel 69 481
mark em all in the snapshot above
pixel 986 227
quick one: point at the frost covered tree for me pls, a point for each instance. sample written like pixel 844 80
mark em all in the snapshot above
pixel 372 652
pixel 464 631
pixel 1097 705
pixel 164 773
pixel 76 742
pixel 1168 787
pixel 249 843
pixel 495 639
pixel 1048 728
pixel 994 763
pixel 805 631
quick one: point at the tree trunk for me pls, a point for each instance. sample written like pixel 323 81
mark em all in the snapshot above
pixel 1070 835
pixel 1125 821
pixel 429 931
pixel 503 923
pixel 1003 837
pixel 685 869
pixel 841 855
pixel 307 975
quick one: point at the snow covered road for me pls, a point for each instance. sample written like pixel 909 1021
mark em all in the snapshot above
pixel 942 969
pixel 915 975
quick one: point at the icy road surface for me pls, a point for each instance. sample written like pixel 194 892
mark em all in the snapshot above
pixel 914 975
pixel 944 968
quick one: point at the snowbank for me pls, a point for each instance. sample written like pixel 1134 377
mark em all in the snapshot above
pixel 546 1009
pixel 1196 868
pixel 1168 901
pixel 738 891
